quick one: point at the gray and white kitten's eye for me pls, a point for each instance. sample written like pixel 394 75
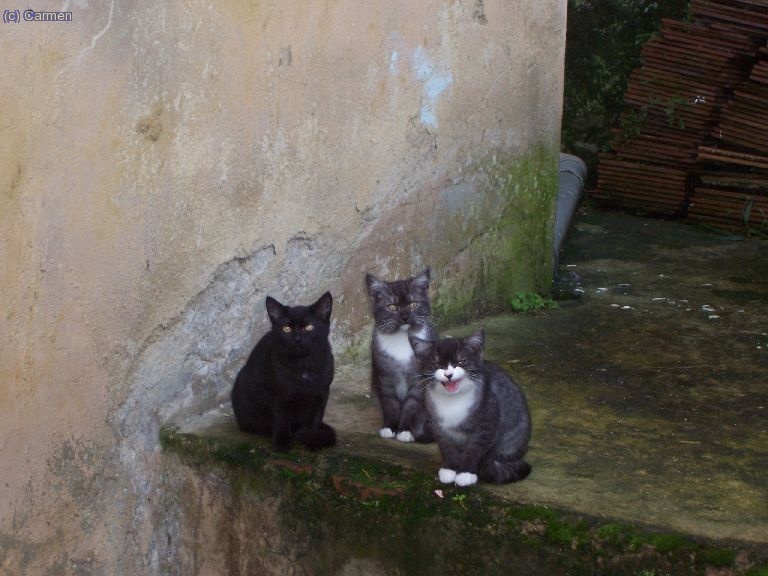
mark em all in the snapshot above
pixel 309 328
pixel 392 307
pixel 286 329
pixel 414 305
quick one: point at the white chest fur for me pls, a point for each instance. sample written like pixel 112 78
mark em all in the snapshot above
pixel 396 346
pixel 452 409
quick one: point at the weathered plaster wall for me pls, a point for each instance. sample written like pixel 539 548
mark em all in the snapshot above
pixel 165 165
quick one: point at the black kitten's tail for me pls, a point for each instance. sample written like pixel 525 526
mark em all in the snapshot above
pixel 323 437
pixel 504 471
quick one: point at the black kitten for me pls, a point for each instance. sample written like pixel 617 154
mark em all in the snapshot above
pixel 400 308
pixel 283 388
pixel 478 414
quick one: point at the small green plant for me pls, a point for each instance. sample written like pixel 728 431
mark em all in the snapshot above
pixel 530 302
pixel 459 499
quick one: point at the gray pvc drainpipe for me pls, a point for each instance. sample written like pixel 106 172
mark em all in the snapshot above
pixel 570 184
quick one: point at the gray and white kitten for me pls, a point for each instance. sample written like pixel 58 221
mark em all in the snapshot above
pixel 478 414
pixel 400 308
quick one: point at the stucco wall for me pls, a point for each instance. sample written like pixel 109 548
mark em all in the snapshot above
pixel 165 165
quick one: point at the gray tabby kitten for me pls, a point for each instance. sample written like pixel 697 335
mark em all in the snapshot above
pixel 478 414
pixel 401 308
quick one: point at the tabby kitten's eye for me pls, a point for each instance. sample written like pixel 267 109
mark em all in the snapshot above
pixel 391 307
pixel 414 305
pixel 309 328
pixel 286 329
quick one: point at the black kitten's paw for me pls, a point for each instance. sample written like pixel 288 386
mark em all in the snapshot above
pixel 323 437
pixel 283 444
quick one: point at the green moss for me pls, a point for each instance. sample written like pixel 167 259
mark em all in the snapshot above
pixel 719 557
pixel 663 543
pixel 616 535
pixel 530 513
pixel 343 506
pixel 564 533
pixel 357 349
pixel 512 249
pixel 758 570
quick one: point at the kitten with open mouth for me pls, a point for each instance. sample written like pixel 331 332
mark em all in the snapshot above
pixel 478 414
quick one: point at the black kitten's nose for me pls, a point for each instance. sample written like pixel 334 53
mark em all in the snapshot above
pixel 296 338
pixel 448 375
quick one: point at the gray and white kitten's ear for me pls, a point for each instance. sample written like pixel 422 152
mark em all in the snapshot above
pixel 476 341
pixel 422 280
pixel 420 346
pixel 322 308
pixel 374 285
pixel 274 309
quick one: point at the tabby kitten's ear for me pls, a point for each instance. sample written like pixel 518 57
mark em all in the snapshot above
pixel 322 308
pixel 422 280
pixel 421 348
pixel 476 342
pixel 374 285
pixel 274 309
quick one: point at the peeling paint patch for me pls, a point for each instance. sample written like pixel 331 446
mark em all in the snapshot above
pixel 435 82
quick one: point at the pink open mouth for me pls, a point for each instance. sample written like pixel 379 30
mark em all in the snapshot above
pixel 451 386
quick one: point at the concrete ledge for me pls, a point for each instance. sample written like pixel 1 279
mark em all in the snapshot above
pixel 649 449
pixel 344 511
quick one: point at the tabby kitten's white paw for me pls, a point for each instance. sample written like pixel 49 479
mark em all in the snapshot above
pixel 405 436
pixel 466 479
pixel 446 475
pixel 386 433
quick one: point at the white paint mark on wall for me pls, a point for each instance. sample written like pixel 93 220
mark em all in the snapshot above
pixel 435 83
pixel 393 59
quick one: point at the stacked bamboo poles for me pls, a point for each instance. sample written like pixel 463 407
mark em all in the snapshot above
pixel 698 81
pixel 736 197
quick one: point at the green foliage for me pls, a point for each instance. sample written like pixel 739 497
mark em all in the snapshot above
pixel 663 543
pixel 719 558
pixel 631 122
pixel 603 46
pixel 616 536
pixel 531 302
pixel 567 534
pixel 459 499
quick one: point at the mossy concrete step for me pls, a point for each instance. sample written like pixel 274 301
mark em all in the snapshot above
pixel 650 448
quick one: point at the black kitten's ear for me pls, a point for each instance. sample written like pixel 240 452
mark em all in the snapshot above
pixel 476 342
pixel 274 309
pixel 322 308
pixel 374 285
pixel 422 280
pixel 420 347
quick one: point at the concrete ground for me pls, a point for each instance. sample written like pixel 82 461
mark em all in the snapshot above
pixel 649 391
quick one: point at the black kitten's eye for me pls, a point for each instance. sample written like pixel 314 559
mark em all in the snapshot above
pixel 309 328
pixel 414 305
pixel 392 307
pixel 286 329
pixel 462 362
